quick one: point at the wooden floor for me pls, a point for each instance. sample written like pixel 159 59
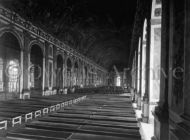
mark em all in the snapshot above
pixel 98 117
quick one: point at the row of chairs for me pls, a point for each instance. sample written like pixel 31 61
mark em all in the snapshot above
pixel 23 118
pixel 101 90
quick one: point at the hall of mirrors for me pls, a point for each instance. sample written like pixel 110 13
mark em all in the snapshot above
pixel 35 64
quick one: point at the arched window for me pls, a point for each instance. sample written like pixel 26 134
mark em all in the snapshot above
pixel 10 59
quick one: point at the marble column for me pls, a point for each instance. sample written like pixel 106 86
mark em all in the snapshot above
pixel 46 77
pixel 21 73
pixel 133 78
pixel 144 58
pixel 155 55
pixel 139 79
pixel 26 71
pixel 43 78
pixel 135 75
pixel 145 108
pixel 161 111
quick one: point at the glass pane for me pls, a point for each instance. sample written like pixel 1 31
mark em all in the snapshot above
pixel 13 74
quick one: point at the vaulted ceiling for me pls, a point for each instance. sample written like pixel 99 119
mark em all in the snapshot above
pixel 99 29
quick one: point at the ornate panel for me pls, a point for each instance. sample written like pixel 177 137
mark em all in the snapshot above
pixel 157 12
pixel 178 57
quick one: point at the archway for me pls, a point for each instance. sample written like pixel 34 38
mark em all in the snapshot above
pixel 10 60
pixel 76 75
pixel 59 73
pixel 69 72
pixel 36 67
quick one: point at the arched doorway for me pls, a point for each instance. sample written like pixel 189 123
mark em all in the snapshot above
pixel 10 71
pixel 76 80
pixel 59 73
pixel 36 67
pixel 69 74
